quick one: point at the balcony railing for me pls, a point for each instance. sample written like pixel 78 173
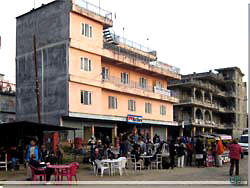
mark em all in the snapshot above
pixel 94 9
pixel 121 40
pixel 132 84
pixel 165 66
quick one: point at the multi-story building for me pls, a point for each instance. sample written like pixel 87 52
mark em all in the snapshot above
pixel 211 102
pixel 90 78
pixel 7 100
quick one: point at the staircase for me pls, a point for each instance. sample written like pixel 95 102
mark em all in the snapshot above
pixel 108 37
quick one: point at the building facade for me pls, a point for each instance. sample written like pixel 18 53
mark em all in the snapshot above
pixel 211 102
pixel 7 101
pixel 90 78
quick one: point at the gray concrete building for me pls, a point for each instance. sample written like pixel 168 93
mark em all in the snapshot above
pixel 7 101
pixel 211 102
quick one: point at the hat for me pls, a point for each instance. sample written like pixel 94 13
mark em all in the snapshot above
pixel 217 139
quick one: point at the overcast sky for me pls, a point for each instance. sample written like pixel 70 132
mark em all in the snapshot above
pixel 194 35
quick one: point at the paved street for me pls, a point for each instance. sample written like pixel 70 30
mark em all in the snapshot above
pixel 177 174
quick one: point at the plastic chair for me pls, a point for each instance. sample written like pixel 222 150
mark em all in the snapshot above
pixel 120 165
pixel 69 173
pixel 157 162
pixel 137 164
pixel 38 172
pixel 4 164
pixel 102 166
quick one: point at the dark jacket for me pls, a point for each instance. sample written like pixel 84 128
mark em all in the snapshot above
pixel 199 148
pixel 172 149
pixel 180 150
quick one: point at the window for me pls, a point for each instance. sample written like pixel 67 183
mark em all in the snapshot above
pixel 105 73
pixel 124 78
pixel 163 110
pixel 86 97
pixel 143 83
pixel 85 64
pixel 159 84
pixel 131 105
pixel 112 102
pixel 148 108
pixel 87 30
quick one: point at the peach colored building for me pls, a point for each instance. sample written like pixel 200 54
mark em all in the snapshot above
pixel 110 84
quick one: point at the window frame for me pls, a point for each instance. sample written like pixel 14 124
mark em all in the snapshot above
pixel 104 75
pixel 83 30
pixel 143 83
pixel 89 97
pixel 148 108
pixel 88 62
pixel 126 80
pixel 112 102
pixel 163 110
pixel 131 105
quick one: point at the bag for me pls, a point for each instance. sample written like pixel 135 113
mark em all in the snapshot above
pixel 198 156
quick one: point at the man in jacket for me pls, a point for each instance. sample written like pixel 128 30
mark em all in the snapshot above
pixel 234 155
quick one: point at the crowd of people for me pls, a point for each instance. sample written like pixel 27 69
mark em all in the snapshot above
pixel 42 154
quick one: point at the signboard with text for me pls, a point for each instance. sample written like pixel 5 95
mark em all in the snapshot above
pixel 134 119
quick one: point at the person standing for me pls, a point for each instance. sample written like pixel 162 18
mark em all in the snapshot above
pixel 199 153
pixel 172 153
pixel 189 148
pixel 219 152
pixel 180 154
pixel 234 155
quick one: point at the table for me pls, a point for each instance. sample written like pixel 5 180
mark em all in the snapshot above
pixel 110 162
pixel 58 169
pixel 146 157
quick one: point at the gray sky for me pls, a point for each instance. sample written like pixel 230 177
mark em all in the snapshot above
pixel 194 35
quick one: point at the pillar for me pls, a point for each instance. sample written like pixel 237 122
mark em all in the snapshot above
pixel 203 96
pixel 181 132
pixel 193 131
pixel 211 131
pixel 211 98
pixel 166 132
pixel 194 89
pixel 151 133
pixel 114 134
pixel 93 130
pixel 203 130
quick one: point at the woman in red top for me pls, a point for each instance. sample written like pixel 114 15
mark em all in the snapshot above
pixel 234 155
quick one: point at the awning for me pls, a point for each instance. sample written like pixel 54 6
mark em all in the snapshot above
pixel 33 125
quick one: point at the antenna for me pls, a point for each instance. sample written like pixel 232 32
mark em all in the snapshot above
pixel 34 4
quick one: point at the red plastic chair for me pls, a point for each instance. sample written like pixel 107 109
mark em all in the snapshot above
pixel 69 173
pixel 40 174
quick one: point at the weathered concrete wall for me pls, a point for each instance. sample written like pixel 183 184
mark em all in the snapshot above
pixel 50 24
pixel 7 107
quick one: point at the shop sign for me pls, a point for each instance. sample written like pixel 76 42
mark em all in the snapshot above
pixel 134 119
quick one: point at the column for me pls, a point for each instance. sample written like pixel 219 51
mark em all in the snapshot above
pixel 203 96
pixel 166 132
pixel 203 130
pixel 193 131
pixel 151 133
pixel 211 131
pixel 181 132
pixel 93 130
pixel 211 98
pixel 114 134
pixel 194 89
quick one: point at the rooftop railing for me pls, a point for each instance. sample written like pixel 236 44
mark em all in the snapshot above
pixel 121 40
pixel 165 66
pixel 93 8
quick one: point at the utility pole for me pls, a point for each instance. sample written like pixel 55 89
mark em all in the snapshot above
pixel 36 79
pixel 40 131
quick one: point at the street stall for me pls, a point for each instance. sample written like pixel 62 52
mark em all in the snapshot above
pixel 226 139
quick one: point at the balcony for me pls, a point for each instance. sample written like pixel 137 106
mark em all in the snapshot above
pixel 132 87
pixel 95 12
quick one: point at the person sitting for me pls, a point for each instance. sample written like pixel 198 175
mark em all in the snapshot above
pixel 48 171
pixel 44 154
pixel 13 156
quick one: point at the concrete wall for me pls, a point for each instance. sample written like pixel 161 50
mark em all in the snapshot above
pixel 7 107
pixel 50 24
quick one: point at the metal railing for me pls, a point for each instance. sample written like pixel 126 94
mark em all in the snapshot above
pixel 165 66
pixel 93 8
pixel 121 40
pixel 133 84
